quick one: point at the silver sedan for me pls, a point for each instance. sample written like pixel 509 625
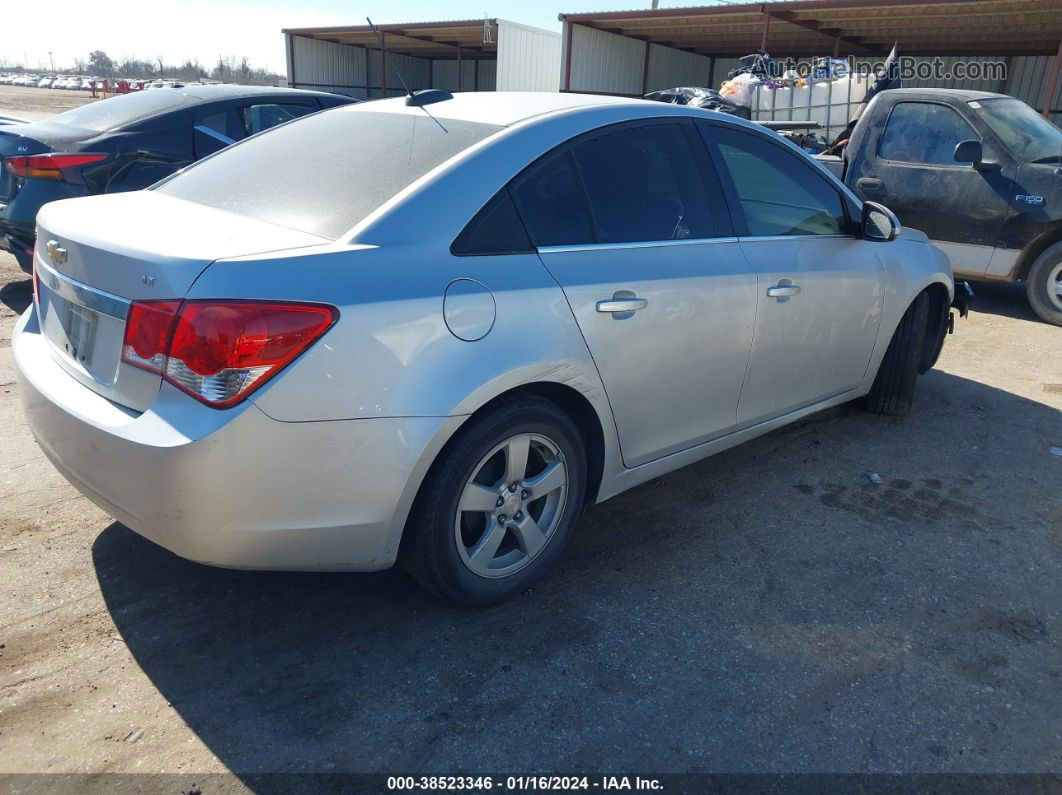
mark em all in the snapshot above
pixel 436 329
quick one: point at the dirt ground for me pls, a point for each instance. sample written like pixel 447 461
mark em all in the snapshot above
pixel 770 609
pixel 34 104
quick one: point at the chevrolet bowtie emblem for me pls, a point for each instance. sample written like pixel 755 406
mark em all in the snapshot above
pixel 56 253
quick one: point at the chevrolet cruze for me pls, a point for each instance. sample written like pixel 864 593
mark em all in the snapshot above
pixel 436 329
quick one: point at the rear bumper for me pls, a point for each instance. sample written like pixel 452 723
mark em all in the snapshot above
pixel 230 488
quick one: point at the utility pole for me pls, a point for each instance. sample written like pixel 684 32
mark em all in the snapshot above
pixel 51 60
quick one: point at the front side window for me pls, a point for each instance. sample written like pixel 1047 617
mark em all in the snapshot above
pixel 643 184
pixel 778 194
pixel 924 132
pixel 256 118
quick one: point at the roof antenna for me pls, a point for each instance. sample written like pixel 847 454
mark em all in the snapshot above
pixel 428 96
pixel 383 48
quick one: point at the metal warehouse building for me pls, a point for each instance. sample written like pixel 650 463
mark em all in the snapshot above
pixel 471 55
pixel 633 52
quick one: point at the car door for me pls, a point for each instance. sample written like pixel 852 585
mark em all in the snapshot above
pixel 630 222
pixel 912 170
pixel 820 287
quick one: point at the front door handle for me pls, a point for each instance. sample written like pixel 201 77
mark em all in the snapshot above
pixel 783 291
pixel 869 184
pixel 622 305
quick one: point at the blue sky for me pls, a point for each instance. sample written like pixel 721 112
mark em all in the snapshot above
pixel 205 29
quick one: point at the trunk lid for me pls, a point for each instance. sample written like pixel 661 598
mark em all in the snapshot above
pixel 23 139
pixel 96 255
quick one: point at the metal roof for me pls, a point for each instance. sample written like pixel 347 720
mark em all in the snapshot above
pixel 854 27
pixel 476 38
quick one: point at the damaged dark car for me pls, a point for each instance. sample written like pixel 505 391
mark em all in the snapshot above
pixel 127 143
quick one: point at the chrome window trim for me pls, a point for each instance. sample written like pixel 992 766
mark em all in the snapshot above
pixel 88 297
pixel 643 244
pixel 758 238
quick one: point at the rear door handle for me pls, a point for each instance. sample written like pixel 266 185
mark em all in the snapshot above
pixel 783 291
pixel 622 305
pixel 869 183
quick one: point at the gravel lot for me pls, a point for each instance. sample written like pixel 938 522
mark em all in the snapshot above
pixel 769 609
pixel 39 103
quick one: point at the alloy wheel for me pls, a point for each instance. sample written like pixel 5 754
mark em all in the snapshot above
pixel 512 505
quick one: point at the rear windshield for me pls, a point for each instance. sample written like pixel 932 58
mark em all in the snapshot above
pixel 324 173
pixel 107 114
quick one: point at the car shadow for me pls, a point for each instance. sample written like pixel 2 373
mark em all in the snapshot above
pixel 16 296
pixel 808 601
pixel 1007 299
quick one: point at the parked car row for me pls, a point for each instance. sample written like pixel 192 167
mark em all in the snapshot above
pixel 68 82
pixel 435 334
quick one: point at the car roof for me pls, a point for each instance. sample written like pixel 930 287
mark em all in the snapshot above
pixel 212 92
pixel 957 93
pixel 503 108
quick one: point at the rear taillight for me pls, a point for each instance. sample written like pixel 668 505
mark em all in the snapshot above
pixel 56 167
pixel 220 351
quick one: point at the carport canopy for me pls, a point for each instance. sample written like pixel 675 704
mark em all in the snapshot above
pixel 467 39
pixel 854 27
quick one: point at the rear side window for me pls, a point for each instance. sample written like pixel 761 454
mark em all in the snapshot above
pixel 329 171
pixel 261 117
pixel 778 194
pixel 643 185
pixel 496 229
pixel 923 132
pixel 551 203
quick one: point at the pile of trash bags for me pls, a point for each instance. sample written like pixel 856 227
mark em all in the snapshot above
pixel 707 98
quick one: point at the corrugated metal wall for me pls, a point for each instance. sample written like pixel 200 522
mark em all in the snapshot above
pixel 528 58
pixel 669 67
pixel 416 71
pixel 444 75
pixel 326 66
pixel 341 69
pixel 604 62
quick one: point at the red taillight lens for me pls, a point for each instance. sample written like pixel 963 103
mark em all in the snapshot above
pixel 221 351
pixel 147 333
pixel 57 167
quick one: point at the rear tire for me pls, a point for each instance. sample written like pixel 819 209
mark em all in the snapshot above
pixel 472 538
pixel 1043 285
pixel 894 386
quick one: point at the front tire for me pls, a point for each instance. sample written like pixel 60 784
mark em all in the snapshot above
pixel 894 385
pixel 500 504
pixel 1043 285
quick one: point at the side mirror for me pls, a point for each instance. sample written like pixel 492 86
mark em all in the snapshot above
pixel 969 152
pixel 880 224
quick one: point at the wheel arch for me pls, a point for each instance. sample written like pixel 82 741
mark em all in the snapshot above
pixel 572 401
pixel 1034 249
pixel 937 326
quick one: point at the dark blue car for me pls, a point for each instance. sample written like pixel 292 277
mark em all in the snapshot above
pixel 127 143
